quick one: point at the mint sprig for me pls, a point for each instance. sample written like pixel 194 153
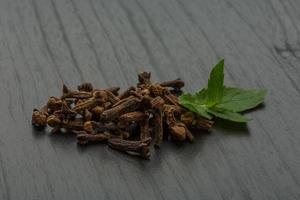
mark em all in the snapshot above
pixel 221 101
pixel 215 85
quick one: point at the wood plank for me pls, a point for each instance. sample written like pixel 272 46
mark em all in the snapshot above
pixel 44 43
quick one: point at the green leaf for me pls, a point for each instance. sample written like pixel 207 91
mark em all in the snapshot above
pixel 202 96
pixel 228 115
pixel 238 100
pixel 220 101
pixel 194 104
pixel 215 84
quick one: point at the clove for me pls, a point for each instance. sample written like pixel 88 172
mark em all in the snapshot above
pixel 55 122
pixel 175 84
pixel 140 148
pixel 68 93
pixel 39 117
pixel 127 106
pixel 127 121
pixel 85 138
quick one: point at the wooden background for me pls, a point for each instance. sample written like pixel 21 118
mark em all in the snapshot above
pixel 44 43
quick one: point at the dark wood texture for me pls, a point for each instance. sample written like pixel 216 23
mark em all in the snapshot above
pixel 44 43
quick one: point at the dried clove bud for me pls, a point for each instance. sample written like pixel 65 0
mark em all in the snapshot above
pixel 98 99
pixel 87 115
pixel 119 133
pixel 67 93
pixel 122 101
pixel 39 117
pixel 157 103
pixel 132 116
pixel 171 99
pixel 136 94
pixel 198 123
pixel 114 90
pixel 188 118
pixel 140 148
pixel 97 110
pixel 144 79
pixel 157 90
pixel 129 105
pixel 177 129
pixel 86 86
pixel 112 98
pixel 88 127
pixel 189 134
pixel 55 122
pixel 54 104
pixel 85 138
pixel 127 92
pixel 65 113
pixel 176 84
pixel 93 127
pixel 158 126
pixel 144 127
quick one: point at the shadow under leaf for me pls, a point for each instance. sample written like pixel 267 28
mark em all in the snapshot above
pixel 259 107
pixel 231 128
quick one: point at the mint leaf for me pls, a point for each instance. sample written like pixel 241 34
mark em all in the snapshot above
pixel 238 100
pixel 228 115
pixel 194 104
pixel 220 101
pixel 215 84
pixel 201 96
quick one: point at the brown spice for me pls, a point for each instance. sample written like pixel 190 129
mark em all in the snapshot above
pixel 140 148
pixel 126 122
pixel 86 86
pixel 39 117
pixel 85 138
pixel 127 106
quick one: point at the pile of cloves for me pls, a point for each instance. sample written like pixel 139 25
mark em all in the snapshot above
pixel 128 121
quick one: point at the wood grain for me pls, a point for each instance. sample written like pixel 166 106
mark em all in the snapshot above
pixel 44 43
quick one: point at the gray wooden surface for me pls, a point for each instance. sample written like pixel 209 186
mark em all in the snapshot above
pixel 44 43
